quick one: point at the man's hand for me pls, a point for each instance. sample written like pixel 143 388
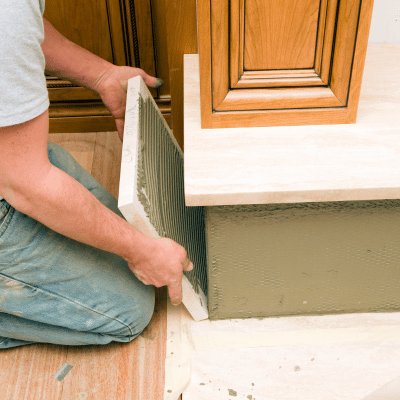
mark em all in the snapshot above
pixel 162 264
pixel 69 61
pixel 112 87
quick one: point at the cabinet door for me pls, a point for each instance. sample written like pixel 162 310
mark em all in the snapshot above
pixel 281 62
pixel 124 32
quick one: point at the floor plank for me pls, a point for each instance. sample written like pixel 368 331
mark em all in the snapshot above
pixel 26 373
pixel 121 371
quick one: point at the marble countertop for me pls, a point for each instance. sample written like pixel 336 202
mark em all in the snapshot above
pixel 299 164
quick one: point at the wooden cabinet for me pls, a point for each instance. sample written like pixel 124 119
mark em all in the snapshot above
pixel 149 34
pixel 281 62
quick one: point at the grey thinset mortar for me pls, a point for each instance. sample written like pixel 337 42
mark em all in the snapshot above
pixel 160 188
pixel 303 259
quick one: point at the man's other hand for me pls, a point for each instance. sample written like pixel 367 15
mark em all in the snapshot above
pixel 161 263
pixel 112 87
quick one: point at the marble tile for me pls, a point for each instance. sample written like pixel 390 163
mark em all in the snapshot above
pixel 299 164
pixel 333 357
pixel 151 190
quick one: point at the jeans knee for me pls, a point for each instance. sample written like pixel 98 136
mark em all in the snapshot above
pixel 147 310
pixel 135 318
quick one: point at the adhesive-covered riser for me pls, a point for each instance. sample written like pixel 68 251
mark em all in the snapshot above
pixel 303 259
pixel 160 190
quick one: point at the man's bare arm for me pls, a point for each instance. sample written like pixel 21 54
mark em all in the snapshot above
pixel 67 60
pixel 31 184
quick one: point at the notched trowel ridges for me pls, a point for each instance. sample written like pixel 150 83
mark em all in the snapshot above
pixel 152 189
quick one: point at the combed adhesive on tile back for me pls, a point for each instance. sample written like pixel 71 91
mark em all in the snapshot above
pixel 303 258
pixel 152 185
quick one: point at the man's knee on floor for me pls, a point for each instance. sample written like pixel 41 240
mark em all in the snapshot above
pixel 129 324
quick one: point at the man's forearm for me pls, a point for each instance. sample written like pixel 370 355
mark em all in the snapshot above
pixel 36 188
pixel 65 206
pixel 67 60
pixel 30 183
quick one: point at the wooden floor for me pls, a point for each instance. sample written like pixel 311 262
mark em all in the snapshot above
pixel 133 371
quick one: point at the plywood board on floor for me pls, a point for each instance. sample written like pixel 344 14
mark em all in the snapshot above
pixel 26 373
pixel 121 371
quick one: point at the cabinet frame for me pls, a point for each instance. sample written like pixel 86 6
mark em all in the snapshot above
pixel 325 94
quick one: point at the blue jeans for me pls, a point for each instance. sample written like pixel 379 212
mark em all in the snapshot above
pixel 56 290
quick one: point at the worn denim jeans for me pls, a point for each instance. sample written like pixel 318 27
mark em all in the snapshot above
pixel 56 290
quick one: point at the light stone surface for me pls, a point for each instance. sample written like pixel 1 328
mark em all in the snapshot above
pixel 151 194
pixel 333 357
pixel 299 164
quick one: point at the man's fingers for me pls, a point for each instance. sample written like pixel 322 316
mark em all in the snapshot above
pixel 151 81
pixel 119 122
pixel 159 82
pixel 175 293
pixel 187 266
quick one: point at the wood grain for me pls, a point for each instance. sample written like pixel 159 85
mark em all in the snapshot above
pixel 80 146
pixel 320 36
pixel 346 34
pixel 26 373
pixel 161 45
pixel 119 32
pixel 93 116
pixel 181 31
pixel 329 35
pixel 144 32
pixel 77 117
pixel 280 73
pixel 145 35
pixel 317 116
pixel 82 124
pixel 61 90
pixel 122 371
pixel 107 30
pixel 278 99
pixel 220 50
pixel 279 78
pixel 235 41
pixel 83 22
pixel 281 82
pixel 204 26
pixel 116 371
pixel 280 35
pixel 246 105
pixel 107 160
pixel 359 57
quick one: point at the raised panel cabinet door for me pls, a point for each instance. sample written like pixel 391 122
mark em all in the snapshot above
pixel 281 62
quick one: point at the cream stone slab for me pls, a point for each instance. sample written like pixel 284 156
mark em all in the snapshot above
pixel 332 357
pixel 390 391
pixel 151 193
pixel 299 164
